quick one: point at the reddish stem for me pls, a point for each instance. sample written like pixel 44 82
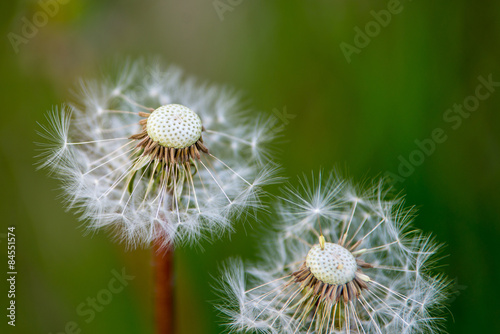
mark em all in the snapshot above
pixel 164 289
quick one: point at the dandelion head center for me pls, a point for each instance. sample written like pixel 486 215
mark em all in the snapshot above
pixel 174 126
pixel 332 265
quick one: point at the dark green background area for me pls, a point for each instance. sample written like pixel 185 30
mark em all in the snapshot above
pixel 363 116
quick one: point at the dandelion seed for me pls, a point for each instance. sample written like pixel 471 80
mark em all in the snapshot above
pixel 132 157
pixel 344 261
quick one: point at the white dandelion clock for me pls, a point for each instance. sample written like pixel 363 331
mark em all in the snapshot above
pixel 344 261
pixel 158 157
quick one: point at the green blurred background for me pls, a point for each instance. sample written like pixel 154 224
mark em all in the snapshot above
pixel 363 115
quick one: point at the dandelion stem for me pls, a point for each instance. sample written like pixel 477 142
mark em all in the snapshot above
pixel 164 289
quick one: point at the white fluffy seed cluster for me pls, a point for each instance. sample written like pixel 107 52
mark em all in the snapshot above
pixel 332 265
pixel 174 125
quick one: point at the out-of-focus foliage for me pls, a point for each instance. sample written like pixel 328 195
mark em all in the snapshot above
pixel 366 116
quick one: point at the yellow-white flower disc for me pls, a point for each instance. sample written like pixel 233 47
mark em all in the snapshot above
pixel 174 125
pixel 332 265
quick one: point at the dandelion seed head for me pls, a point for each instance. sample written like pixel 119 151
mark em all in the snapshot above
pixel 370 272
pixel 333 265
pixel 133 156
pixel 174 125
